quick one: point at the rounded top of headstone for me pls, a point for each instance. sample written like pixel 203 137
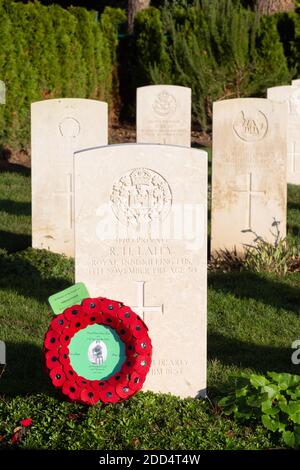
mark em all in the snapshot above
pixel 63 102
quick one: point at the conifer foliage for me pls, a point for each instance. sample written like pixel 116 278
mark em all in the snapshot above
pixel 216 47
pixel 49 52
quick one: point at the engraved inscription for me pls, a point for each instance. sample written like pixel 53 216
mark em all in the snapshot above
pixel 141 196
pixel 69 127
pixel 164 104
pixel 250 126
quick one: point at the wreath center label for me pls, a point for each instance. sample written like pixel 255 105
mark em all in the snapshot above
pixel 96 352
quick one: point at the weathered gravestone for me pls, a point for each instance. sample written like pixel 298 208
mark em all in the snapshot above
pixel 249 190
pixel 164 115
pixel 291 96
pixel 59 128
pixel 2 92
pixel 140 237
pixel 296 82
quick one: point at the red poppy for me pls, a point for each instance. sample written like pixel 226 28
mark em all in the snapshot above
pixel 143 345
pixel 82 382
pixel 109 395
pixel 74 312
pixel 70 372
pixel 71 389
pixel 79 323
pixel 111 321
pixel 51 340
pixel 126 315
pixel 63 355
pixel 136 381
pixel 90 306
pixel 57 376
pixel 89 396
pixel 52 359
pixel 66 336
pixel 138 329
pixel 110 306
pixel 59 323
pixel 123 390
pixel 99 385
pixel 142 364
pixel 26 423
pixel 125 333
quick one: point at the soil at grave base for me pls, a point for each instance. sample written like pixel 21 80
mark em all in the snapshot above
pixel 124 133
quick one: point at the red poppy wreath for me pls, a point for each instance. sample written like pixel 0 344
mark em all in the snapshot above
pixel 98 351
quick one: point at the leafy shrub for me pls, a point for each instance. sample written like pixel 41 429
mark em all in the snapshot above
pixel 279 257
pixel 49 52
pixel 273 400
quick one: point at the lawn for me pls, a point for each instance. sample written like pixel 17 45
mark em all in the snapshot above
pixel 252 321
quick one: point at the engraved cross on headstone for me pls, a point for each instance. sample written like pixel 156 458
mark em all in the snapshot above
pixel 68 195
pixel 140 308
pixel 250 192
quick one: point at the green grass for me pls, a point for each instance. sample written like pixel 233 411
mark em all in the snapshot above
pixel 252 321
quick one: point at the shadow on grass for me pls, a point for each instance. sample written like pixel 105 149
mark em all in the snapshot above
pixel 293 230
pixel 241 355
pixel 24 372
pixel 13 242
pixel 14 168
pixel 294 206
pixel 261 358
pixel 20 275
pixel 15 208
pixel 246 285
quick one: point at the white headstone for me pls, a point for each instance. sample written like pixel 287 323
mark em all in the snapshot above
pixel 59 128
pixel 296 82
pixel 291 96
pixel 164 115
pixel 140 238
pixel 249 190
pixel 2 92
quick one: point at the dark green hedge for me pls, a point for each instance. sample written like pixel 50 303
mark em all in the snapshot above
pixel 49 52
pixel 217 47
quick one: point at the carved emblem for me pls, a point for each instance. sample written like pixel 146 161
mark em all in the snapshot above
pixel 295 102
pixel 250 125
pixel 164 104
pixel 69 127
pixel 141 196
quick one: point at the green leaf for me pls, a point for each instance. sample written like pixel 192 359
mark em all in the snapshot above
pixel 289 438
pixel 285 380
pixel 271 389
pixel 242 392
pixel 291 408
pixel 258 381
pixel 270 423
pixel 268 408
